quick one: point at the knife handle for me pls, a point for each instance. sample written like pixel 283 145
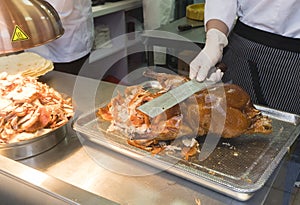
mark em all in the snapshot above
pixel 222 66
pixel 184 27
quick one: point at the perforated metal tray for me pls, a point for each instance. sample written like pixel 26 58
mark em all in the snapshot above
pixel 237 167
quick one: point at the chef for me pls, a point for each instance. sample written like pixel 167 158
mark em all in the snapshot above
pixel 259 41
pixel 157 13
pixel 70 51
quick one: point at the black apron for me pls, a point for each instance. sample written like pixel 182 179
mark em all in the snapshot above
pixel 266 65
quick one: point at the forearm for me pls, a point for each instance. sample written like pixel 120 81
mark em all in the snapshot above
pixel 220 12
pixel 63 7
pixel 217 24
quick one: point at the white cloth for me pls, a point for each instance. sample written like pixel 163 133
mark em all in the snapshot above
pixel 276 16
pixel 77 41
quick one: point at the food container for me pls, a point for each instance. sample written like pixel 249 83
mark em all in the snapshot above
pixel 195 11
pixel 35 146
pixel 237 167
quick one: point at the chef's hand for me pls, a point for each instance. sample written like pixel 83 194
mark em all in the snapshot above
pixel 209 57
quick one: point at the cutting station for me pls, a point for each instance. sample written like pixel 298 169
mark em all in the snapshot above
pixel 82 139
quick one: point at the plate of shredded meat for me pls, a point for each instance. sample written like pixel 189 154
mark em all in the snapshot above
pixel 30 111
pixel 248 140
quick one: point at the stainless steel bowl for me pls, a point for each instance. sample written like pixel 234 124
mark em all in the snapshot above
pixel 35 146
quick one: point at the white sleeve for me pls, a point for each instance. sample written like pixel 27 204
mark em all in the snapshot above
pixel 63 7
pixel 221 10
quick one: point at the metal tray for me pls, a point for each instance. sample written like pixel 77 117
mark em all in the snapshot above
pixel 237 167
pixel 34 146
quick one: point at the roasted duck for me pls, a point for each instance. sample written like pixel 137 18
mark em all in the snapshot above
pixel 223 109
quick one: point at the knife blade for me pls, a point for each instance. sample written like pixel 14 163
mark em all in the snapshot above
pixel 169 99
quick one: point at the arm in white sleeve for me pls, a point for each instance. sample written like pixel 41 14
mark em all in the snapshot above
pixel 219 18
pixel 224 11
pixel 63 7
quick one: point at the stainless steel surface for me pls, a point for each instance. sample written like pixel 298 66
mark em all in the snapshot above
pixel 169 36
pixel 169 99
pixel 98 170
pixel 24 185
pixel 163 37
pixel 238 167
pixel 26 24
pixel 32 147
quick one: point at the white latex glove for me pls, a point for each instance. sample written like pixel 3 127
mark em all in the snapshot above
pixel 215 76
pixel 209 56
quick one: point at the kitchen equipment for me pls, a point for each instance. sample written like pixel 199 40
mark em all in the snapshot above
pixel 195 11
pixel 26 24
pixel 35 146
pixel 160 104
pixel 186 27
pixel 237 167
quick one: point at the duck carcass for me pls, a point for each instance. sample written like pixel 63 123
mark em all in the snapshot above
pixel 223 109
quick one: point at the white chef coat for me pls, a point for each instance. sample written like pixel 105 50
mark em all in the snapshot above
pixel 77 41
pixel 276 16
pixel 157 13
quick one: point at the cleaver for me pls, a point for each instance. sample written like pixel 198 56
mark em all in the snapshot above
pixel 169 99
pixel 186 27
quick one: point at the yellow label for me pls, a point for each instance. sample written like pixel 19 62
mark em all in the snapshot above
pixel 19 35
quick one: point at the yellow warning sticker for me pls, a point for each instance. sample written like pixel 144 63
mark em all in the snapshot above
pixel 19 35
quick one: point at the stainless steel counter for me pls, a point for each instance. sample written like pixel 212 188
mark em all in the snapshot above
pixel 104 173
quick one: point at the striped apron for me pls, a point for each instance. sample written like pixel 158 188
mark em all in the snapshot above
pixel 266 65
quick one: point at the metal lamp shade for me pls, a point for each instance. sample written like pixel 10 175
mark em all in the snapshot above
pixel 27 23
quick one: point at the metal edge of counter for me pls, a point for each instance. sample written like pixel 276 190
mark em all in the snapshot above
pixel 38 183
